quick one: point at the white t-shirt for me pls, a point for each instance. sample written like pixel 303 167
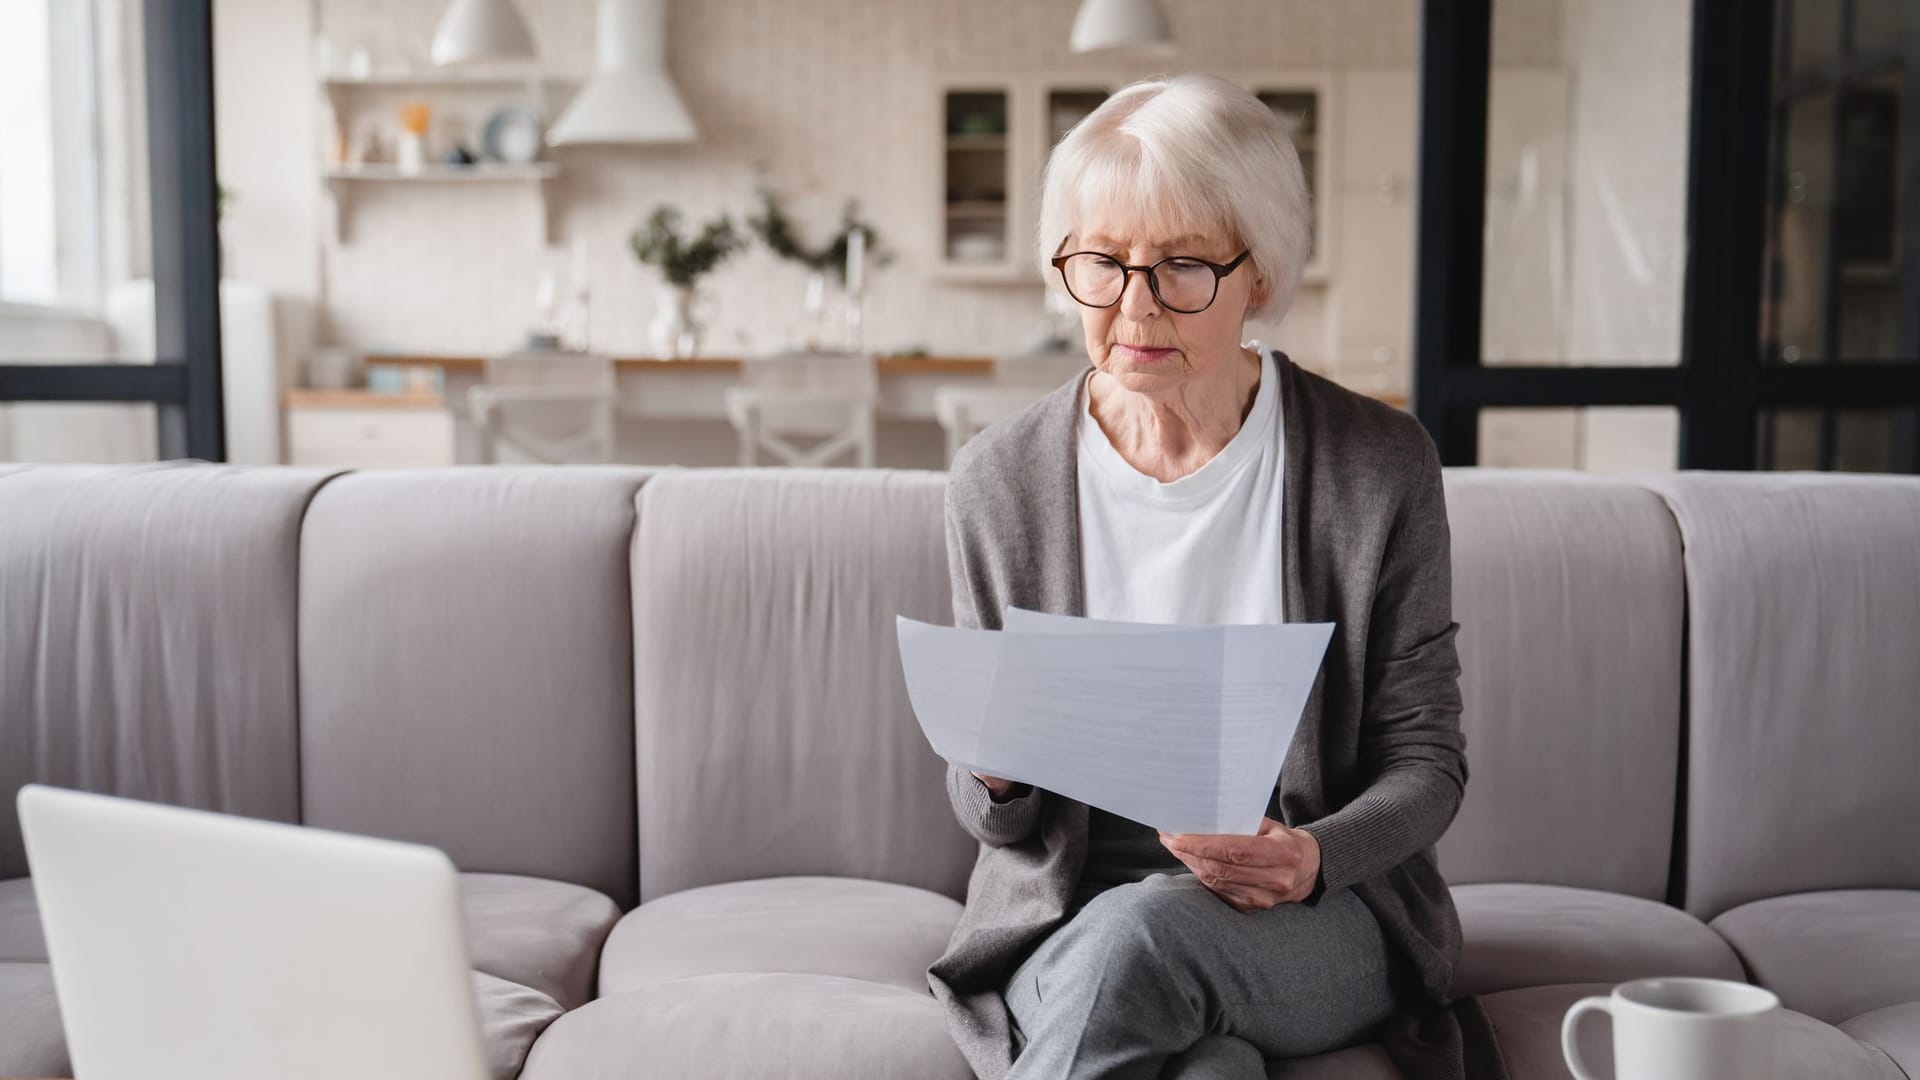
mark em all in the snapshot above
pixel 1203 549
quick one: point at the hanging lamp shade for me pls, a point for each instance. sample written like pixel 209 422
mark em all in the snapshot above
pixel 630 98
pixel 477 31
pixel 1121 24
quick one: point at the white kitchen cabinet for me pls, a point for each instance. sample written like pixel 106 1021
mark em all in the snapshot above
pixel 988 204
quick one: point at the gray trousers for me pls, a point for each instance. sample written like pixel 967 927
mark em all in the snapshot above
pixel 1161 978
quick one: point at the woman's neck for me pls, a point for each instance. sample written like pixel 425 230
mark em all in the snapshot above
pixel 1173 436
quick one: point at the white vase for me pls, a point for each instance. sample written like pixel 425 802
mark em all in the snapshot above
pixel 674 331
pixel 410 154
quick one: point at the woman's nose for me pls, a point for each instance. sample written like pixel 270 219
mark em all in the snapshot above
pixel 1136 297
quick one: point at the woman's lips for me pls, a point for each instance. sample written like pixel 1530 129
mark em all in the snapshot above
pixel 1140 352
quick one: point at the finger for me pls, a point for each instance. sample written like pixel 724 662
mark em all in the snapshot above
pixel 1216 875
pixel 1245 851
pixel 1271 850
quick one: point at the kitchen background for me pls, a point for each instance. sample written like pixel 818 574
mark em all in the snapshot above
pixel 825 101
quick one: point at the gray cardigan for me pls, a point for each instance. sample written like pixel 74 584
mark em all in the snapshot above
pixel 1377 768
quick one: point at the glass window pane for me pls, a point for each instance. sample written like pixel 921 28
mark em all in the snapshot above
pixel 1795 435
pixel 83 432
pixel 75 236
pixel 1878 24
pixel 1794 304
pixel 1841 440
pixel 1869 221
pixel 1876 440
pixel 1586 188
pixel 1812 31
pixel 1627 439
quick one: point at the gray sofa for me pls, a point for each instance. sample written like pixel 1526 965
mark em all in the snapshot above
pixel 657 719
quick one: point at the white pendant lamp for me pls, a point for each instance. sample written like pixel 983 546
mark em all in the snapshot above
pixel 630 98
pixel 477 31
pixel 1121 24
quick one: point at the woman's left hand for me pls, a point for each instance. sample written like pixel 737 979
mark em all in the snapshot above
pixel 1277 865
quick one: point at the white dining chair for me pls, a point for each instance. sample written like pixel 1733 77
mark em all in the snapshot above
pixel 805 408
pixel 1019 380
pixel 554 407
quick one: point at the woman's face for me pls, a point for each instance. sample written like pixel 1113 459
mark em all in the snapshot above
pixel 1172 347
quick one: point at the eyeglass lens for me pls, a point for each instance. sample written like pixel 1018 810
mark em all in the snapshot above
pixel 1184 285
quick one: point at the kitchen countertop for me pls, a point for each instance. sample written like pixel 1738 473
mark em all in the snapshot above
pixel 889 365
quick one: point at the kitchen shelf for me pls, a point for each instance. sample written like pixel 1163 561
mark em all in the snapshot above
pixel 433 174
pixel 341 180
pixel 353 102
pixel 436 80
pixel 538 87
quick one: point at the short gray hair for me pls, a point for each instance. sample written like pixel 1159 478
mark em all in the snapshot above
pixel 1191 153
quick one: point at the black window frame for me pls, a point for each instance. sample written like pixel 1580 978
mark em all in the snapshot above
pixel 1720 386
pixel 184 379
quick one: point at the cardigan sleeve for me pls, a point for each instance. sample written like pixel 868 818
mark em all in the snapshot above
pixel 994 822
pixel 1412 751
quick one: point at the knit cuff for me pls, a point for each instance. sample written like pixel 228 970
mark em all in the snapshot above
pixel 1361 840
pixel 995 823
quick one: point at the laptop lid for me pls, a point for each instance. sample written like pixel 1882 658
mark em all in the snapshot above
pixel 191 945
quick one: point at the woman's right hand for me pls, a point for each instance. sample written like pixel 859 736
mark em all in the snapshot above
pixel 996 787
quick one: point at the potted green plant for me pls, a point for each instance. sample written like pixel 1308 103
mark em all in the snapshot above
pixel 828 260
pixel 682 262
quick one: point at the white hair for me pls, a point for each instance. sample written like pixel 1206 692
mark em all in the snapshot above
pixel 1186 153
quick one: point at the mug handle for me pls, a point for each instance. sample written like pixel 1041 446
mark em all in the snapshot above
pixel 1567 1026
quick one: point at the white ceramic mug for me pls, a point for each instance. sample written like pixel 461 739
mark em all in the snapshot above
pixel 1681 1029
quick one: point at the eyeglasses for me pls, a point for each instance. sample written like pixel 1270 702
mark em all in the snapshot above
pixel 1181 283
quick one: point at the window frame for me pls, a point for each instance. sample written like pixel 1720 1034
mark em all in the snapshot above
pixel 184 379
pixel 1720 386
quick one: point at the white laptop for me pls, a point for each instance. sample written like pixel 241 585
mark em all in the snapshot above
pixel 190 945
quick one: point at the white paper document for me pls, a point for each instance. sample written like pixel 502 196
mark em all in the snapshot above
pixel 1184 728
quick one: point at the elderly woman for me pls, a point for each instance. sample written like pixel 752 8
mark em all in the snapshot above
pixel 1191 478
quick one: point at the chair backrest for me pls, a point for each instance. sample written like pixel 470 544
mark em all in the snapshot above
pixel 837 376
pixel 771 720
pixel 1803 674
pixel 147 636
pixel 466 666
pixel 554 407
pixel 824 396
pixel 555 369
pixel 1569 596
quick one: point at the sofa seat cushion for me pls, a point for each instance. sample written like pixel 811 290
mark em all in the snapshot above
pixel 745 1024
pixel 21 937
pixel 542 934
pixel 1834 955
pixel 511 1017
pixel 850 927
pixel 1519 935
pixel 1895 1030
pixel 32 1042
pixel 1528 1022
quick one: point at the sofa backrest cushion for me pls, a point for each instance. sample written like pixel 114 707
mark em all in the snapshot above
pixel 1803 594
pixel 465 681
pixel 1569 596
pixel 773 731
pixel 147 636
